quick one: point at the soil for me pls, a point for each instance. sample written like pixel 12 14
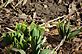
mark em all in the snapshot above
pixel 47 10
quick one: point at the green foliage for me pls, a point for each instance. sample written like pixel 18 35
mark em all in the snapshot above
pixel 47 51
pixel 23 36
pixel 22 27
pixel 72 34
pixel 65 29
pixel 36 34
pixel 16 39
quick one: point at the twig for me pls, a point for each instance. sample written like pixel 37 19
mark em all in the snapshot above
pixel 56 19
pixel 65 17
pixel 61 43
pixel 10 29
pixel 53 20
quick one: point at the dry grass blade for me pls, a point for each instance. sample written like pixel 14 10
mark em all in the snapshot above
pixel 53 20
pixel 19 2
pixel 9 1
pixel 1 38
pixel 2 5
pixel 61 43
pixel 24 2
pixel 10 29
pixel 19 50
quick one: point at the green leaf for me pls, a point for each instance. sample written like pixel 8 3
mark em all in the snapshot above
pixel 47 51
pixel 21 40
pixel 73 34
pixel 32 26
pixel 7 38
pixel 63 27
pixel 18 26
pixel 41 31
pixel 35 32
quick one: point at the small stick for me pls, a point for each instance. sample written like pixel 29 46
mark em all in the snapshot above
pixel 53 20
pixel 61 43
pixel 10 29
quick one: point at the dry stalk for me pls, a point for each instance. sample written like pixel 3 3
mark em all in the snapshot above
pixel 61 43
pixel 10 29
pixel 53 20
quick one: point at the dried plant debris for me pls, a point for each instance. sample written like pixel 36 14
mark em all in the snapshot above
pixel 45 13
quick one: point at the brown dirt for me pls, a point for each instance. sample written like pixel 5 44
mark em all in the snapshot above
pixel 47 10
